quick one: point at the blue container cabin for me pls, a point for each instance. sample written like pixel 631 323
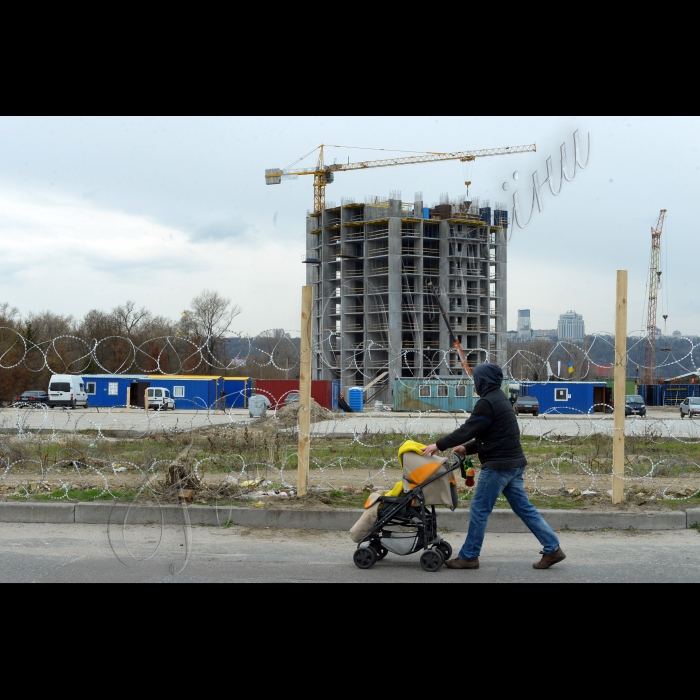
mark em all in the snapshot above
pixel 667 394
pixel 190 392
pixel 201 393
pixel 108 390
pixel 450 395
pixel 237 391
pixel 567 397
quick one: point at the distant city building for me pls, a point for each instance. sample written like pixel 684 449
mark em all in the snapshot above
pixel 571 327
pixel 524 326
pixel 524 337
pixel 524 319
pixel 677 334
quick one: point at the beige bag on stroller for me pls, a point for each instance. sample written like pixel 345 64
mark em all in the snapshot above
pixel 362 527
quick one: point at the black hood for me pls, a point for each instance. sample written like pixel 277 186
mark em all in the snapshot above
pixel 486 375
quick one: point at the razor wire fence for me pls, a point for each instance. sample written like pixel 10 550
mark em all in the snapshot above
pixel 222 455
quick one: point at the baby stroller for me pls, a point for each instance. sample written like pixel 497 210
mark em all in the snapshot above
pixel 404 521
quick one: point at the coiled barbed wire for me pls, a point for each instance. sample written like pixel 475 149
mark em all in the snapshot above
pixel 657 474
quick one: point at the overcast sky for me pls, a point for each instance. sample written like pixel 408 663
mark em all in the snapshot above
pixel 98 210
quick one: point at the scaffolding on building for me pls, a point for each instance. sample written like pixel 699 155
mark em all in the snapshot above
pixel 371 265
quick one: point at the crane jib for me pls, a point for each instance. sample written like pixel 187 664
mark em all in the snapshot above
pixel 410 160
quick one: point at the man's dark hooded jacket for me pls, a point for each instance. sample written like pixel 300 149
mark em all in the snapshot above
pixel 492 429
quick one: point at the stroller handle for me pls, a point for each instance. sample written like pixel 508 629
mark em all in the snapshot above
pixel 458 462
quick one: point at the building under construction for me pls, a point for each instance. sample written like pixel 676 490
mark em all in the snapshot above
pixel 376 320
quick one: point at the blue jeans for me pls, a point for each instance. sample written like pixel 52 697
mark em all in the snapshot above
pixel 491 485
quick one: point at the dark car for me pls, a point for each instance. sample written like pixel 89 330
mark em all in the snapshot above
pixel 32 397
pixel 527 404
pixel 292 398
pixel 635 406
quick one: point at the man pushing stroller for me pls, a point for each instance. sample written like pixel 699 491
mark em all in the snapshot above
pixel 492 432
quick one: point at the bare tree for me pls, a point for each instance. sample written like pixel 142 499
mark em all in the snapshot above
pixel 128 318
pixel 209 320
pixel 274 356
pixel 113 355
pixel 8 314
pixel 527 361
pixel 47 325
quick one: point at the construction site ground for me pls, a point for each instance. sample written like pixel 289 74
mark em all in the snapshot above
pixel 566 470
pixel 335 488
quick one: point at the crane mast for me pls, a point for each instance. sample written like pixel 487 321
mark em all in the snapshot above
pixel 648 375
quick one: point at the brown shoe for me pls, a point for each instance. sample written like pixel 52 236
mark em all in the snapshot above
pixel 462 564
pixel 550 560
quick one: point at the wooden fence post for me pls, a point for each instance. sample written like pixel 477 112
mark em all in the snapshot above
pixel 618 483
pixel 305 392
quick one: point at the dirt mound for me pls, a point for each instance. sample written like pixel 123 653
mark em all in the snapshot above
pixel 288 417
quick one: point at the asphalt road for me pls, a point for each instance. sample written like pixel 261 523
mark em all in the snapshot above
pixel 660 423
pixel 91 554
pixel 32 420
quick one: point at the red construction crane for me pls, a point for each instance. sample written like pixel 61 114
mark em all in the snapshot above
pixel 648 373
pixel 455 341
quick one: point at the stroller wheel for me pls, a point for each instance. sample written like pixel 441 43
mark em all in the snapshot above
pixel 431 560
pixel 445 550
pixel 365 558
pixel 380 551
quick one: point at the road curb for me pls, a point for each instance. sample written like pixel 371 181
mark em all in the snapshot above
pixel 50 513
pixel 693 516
pixel 501 521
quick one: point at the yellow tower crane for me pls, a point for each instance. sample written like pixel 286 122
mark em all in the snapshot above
pixel 325 174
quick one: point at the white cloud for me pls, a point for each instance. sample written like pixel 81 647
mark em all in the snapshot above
pixel 201 180
pixel 69 255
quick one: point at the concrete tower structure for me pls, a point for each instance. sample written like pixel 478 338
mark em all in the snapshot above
pixel 371 265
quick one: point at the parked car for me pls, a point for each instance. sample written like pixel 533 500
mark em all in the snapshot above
pixel 67 390
pixel 527 404
pixel 690 407
pixel 635 406
pixel 160 399
pixel 292 398
pixel 32 398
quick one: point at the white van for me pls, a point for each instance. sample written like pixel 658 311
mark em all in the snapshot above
pixel 67 390
pixel 160 399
